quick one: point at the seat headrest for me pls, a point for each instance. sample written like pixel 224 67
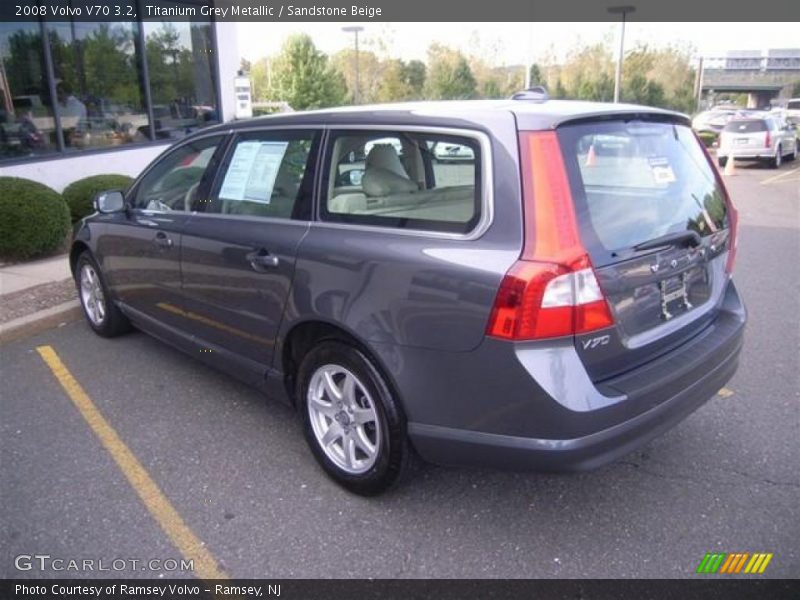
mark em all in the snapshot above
pixel 384 174
pixel 384 156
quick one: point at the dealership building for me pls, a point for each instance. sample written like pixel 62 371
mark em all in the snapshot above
pixel 80 98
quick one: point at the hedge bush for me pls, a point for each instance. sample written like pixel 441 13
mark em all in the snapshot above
pixel 34 219
pixel 708 138
pixel 80 194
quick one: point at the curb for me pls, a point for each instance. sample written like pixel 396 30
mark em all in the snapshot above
pixel 39 321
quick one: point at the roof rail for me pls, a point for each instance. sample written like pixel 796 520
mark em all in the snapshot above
pixel 537 93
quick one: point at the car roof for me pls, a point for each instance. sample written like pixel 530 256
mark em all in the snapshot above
pixel 530 115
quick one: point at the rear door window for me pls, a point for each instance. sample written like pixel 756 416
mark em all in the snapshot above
pixel 403 180
pixel 635 181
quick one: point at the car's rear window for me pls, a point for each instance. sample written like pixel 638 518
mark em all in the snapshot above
pixel 793 105
pixel 746 126
pixel 635 181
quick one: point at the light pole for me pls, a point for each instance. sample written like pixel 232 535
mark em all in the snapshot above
pixel 355 29
pixel 620 10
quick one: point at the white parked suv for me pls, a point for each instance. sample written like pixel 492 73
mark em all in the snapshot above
pixel 758 138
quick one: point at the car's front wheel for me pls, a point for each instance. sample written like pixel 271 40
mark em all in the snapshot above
pixel 103 316
pixel 351 420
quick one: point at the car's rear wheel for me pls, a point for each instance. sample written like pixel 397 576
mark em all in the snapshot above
pixel 776 161
pixel 351 420
pixel 103 316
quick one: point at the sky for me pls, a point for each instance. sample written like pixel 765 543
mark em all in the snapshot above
pixel 511 43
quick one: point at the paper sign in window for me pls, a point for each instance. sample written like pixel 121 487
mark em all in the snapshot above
pixel 252 171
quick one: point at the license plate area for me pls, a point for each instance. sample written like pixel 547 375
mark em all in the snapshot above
pixel 674 295
pixel 742 141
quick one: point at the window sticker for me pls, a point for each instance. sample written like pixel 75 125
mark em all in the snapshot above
pixel 662 171
pixel 252 171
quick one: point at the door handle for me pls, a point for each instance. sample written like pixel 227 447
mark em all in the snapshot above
pixel 261 260
pixel 162 240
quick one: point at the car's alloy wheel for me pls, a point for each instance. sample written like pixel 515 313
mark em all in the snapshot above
pixel 104 317
pixel 352 421
pixel 343 418
pixel 92 296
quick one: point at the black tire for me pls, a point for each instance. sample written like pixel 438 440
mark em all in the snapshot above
pixel 775 161
pixel 113 322
pixel 721 161
pixel 393 450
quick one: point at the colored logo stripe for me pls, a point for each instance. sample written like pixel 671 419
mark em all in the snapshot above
pixel 723 562
pixel 758 563
pixel 710 563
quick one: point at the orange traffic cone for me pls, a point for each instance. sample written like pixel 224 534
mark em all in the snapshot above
pixel 591 157
pixel 730 167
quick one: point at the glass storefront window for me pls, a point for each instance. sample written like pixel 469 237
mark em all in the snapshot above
pixel 113 84
pixel 27 127
pixel 180 62
pixel 99 87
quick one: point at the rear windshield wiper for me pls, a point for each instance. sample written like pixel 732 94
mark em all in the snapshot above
pixel 680 238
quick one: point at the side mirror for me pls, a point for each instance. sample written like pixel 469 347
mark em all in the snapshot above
pixel 109 202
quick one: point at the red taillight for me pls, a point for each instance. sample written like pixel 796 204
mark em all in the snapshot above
pixel 767 140
pixel 552 290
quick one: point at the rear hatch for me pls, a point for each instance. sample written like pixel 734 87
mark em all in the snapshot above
pixel 654 219
pixel 744 134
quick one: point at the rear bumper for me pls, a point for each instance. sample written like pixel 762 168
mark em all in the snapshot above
pixel 747 153
pixel 673 386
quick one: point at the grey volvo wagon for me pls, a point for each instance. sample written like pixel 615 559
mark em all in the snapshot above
pixel 523 283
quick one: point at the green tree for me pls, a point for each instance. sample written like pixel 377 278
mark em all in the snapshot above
pixel 536 75
pixel 449 75
pixel 260 76
pixel 109 64
pixel 162 49
pixel 302 76
pixel 415 72
pixel 369 74
pixel 394 86
pixel 559 91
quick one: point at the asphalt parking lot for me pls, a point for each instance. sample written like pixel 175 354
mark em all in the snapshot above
pixel 247 493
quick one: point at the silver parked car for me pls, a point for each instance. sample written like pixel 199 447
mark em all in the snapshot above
pixel 758 138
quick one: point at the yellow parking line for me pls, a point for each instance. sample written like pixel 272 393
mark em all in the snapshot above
pixel 205 565
pixel 780 176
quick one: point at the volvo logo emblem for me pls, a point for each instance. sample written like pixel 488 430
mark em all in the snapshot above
pixel 673 263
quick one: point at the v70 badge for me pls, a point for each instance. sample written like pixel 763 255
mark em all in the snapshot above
pixel 595 342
